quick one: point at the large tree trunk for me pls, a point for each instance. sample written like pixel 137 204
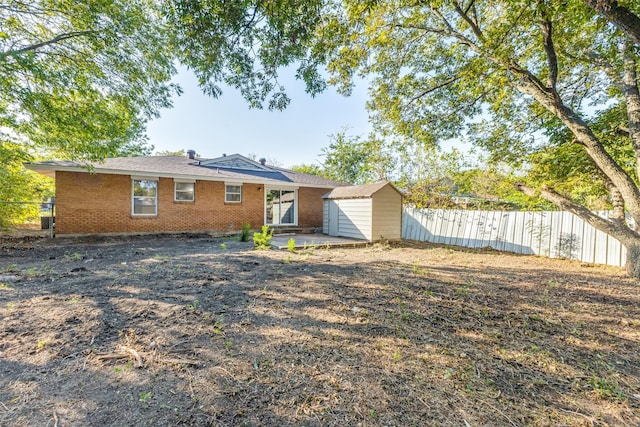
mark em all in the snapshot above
pixel 615 227
pixel 627 193
pixel 585 136
pixel 632 100
pixel 633 260
pixel 619 16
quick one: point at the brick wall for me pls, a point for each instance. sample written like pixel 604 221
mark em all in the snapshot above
pixel 310 206
pixel 101 203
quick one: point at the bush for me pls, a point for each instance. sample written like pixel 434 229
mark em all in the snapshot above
pixel 246 230
pixel 262 240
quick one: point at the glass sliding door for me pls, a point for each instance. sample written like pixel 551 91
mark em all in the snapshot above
pixel 281 207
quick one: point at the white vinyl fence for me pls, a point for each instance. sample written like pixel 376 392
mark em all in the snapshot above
pixel 550 234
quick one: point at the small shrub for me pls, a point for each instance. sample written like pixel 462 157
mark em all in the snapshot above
pixel 144 397
pixel 606 389
pixel 262 240
pixel 76 256
pixel 246 230
pixel 291 245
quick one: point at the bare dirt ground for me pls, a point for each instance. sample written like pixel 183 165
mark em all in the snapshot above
pixel 192 330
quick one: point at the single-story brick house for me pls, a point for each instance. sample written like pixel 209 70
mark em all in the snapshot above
pixel 181 193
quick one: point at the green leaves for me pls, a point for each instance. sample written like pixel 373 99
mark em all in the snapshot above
pixel 19 185
pixel 244 43
pixel 80 78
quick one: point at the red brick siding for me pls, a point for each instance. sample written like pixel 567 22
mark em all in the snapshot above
pixel 88 203
pixel 101 203
pixel 310 206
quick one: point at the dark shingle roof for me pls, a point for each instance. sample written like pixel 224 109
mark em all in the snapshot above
pixel 184 167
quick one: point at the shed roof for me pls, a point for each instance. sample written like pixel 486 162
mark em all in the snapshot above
pixel 358 191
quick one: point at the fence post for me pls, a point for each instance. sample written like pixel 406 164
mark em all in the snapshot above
pixel 51 217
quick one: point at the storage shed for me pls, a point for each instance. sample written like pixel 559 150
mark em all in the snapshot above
pixel 371 212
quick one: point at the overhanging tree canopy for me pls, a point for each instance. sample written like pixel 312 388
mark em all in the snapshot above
pixel 501 73
pixel 81 77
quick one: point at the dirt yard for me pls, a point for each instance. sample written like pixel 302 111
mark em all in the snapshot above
pixel 192 330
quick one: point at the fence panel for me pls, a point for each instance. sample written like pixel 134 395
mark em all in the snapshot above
pixel 550 234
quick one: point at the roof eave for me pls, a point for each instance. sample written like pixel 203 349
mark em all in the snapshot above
pixel 50 170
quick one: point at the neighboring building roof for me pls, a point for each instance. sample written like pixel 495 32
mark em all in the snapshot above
pixel 358 191
pixel 232 168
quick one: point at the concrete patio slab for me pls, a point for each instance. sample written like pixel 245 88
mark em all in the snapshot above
pixel 281 241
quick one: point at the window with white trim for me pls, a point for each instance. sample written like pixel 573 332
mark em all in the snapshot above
pixel 184 191
pixel 233 193
pixel 144 197
pixel 281 206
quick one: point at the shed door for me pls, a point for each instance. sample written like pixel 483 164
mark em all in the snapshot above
pixel 333 218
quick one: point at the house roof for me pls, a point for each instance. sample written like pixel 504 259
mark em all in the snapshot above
pixel 357 191
pixel 232 168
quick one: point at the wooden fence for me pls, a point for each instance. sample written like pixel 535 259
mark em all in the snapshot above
pixel 550 234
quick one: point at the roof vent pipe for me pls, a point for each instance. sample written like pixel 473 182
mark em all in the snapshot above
pixel 263 161
pixel 191 154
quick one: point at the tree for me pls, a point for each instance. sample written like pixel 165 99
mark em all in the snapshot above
pixel 567 168
pixel 245 43
pixel 351 159
pixel 346 159
pixel 622 17
pixel 79 78
pixel 499 73
pixel 180 153
pixel 311 169
pixel 425 175
pixel 21 191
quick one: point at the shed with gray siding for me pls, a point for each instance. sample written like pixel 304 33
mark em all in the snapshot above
pixel 371 212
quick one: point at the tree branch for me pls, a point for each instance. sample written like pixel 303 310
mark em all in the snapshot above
pixel 434 88
pixel 527 83
pixel 625 20
pixel 468 20
pixel 56 39
pixel 552 58
pixel 617 229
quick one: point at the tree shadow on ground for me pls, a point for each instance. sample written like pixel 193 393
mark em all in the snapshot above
pixel 376 336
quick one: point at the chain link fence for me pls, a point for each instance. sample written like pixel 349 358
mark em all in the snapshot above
pixel 28 217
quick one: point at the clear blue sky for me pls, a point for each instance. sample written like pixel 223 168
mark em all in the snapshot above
pixel 227 125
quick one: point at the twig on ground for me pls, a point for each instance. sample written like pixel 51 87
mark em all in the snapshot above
pixel 588 418
pixel 180 361
pixel 498 411
pixel 111 356
pixel 135 354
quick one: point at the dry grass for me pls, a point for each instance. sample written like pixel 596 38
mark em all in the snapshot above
pixel 403 335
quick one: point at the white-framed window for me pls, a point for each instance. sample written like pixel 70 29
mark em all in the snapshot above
pixel 184 191
pixel 144 197
pixel 281 206
pixel 233 193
